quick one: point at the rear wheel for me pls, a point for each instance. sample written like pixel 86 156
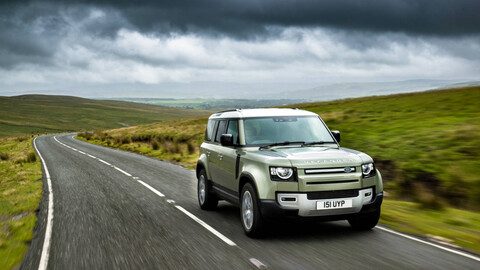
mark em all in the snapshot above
pixel 206 199
pixel 252 220
pixel 365 221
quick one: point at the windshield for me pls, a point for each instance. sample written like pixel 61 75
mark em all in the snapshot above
pixel 269 130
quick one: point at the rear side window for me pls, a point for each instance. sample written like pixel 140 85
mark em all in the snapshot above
pixel 233 129
pixel 209 131
pixel 222 126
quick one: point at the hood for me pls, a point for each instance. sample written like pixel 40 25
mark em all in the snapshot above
pixel 320 157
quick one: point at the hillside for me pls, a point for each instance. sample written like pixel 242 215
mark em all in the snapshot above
pixel 425 144
pixel 32 114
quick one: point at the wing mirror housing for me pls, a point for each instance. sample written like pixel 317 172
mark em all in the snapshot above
pixel 336 135
pixel 226 140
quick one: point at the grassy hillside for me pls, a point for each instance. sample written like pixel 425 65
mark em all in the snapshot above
pixel 425 144
pixel 32 114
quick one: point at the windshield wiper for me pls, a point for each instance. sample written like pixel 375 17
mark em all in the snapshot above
pixel 314 143
pixel 280 143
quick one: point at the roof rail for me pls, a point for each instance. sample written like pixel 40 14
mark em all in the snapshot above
pixel 230 110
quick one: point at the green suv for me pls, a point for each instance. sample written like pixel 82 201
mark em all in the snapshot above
pixel 285 163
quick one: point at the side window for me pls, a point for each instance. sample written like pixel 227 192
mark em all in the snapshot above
pixel 210 129
pixel 222 126
pixel 233 129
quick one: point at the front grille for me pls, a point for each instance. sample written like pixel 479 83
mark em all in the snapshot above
pixel 331 170
pixel 330 194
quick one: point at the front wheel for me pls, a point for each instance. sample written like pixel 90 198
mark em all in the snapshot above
pixel 365 221
pixel 252 220
pixel 206 199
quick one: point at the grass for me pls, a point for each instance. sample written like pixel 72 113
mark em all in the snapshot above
pixel 35 114
pixel 20 193
pixel 459 226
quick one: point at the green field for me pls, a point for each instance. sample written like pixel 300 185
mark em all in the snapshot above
pixel 36 114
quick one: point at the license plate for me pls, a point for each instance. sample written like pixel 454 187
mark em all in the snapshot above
pixel 334 204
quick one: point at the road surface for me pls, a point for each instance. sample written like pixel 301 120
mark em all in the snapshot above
pixel 113 209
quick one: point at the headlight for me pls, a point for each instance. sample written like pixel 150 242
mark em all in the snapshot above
pixel 282 174
pixel 368 170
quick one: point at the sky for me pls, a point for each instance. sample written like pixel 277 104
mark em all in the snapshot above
pixel 198 48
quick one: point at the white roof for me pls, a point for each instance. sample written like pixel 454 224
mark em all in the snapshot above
pixel 248 113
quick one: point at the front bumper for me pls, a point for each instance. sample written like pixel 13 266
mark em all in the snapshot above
pixel 366 201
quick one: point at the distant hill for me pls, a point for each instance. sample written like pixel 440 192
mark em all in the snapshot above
pixel 31 114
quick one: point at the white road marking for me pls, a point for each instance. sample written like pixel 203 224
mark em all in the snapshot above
pixel 430 244
pixel 92 156
pixel 171 201
pixel 257 263
pixel 122 171
pixel 104 162
pixel 151 188
pixel 48 230
pixel 206 226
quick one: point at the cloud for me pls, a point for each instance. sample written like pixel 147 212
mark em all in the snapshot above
pixel 251 41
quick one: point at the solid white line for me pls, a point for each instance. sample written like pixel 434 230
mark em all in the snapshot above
pixel 122 171
pixel 48 230
pixel 151 188
pixel 430 244
pixel 206 226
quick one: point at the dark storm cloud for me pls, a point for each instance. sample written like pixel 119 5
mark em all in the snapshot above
pixel 247 18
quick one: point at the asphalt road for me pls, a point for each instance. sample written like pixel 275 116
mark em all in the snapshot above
pixel 118 210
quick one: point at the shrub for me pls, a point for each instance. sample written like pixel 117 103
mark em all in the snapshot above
pixel 155 145
pixel 31 157
pixel 4 156
pixel 191 147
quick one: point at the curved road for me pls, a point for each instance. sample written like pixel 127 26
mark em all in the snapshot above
pixel 118 210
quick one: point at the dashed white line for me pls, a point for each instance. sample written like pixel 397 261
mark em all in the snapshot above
pixel 151 188
pixel 48 230
pixel 430 244
pixel 122 171
pixel 104 162
pixel 206 226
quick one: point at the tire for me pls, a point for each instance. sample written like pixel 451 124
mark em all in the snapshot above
pixel 206 199
pixel 365 222
pixel 250 216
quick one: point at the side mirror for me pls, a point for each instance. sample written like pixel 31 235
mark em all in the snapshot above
pixel 336 135
pixel 226 140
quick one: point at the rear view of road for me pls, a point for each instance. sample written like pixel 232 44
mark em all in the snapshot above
pixel 118 210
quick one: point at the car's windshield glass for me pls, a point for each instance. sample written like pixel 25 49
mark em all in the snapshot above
pixel 269 130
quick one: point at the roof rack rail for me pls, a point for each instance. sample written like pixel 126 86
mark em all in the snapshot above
pixel 230 110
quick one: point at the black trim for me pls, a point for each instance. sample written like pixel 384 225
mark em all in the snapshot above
pixel 331 194
pixel 332 182
pixel 225 193
pixel 237 166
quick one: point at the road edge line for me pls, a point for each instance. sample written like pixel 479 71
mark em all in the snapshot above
pixel 428 243
pixel 48 228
